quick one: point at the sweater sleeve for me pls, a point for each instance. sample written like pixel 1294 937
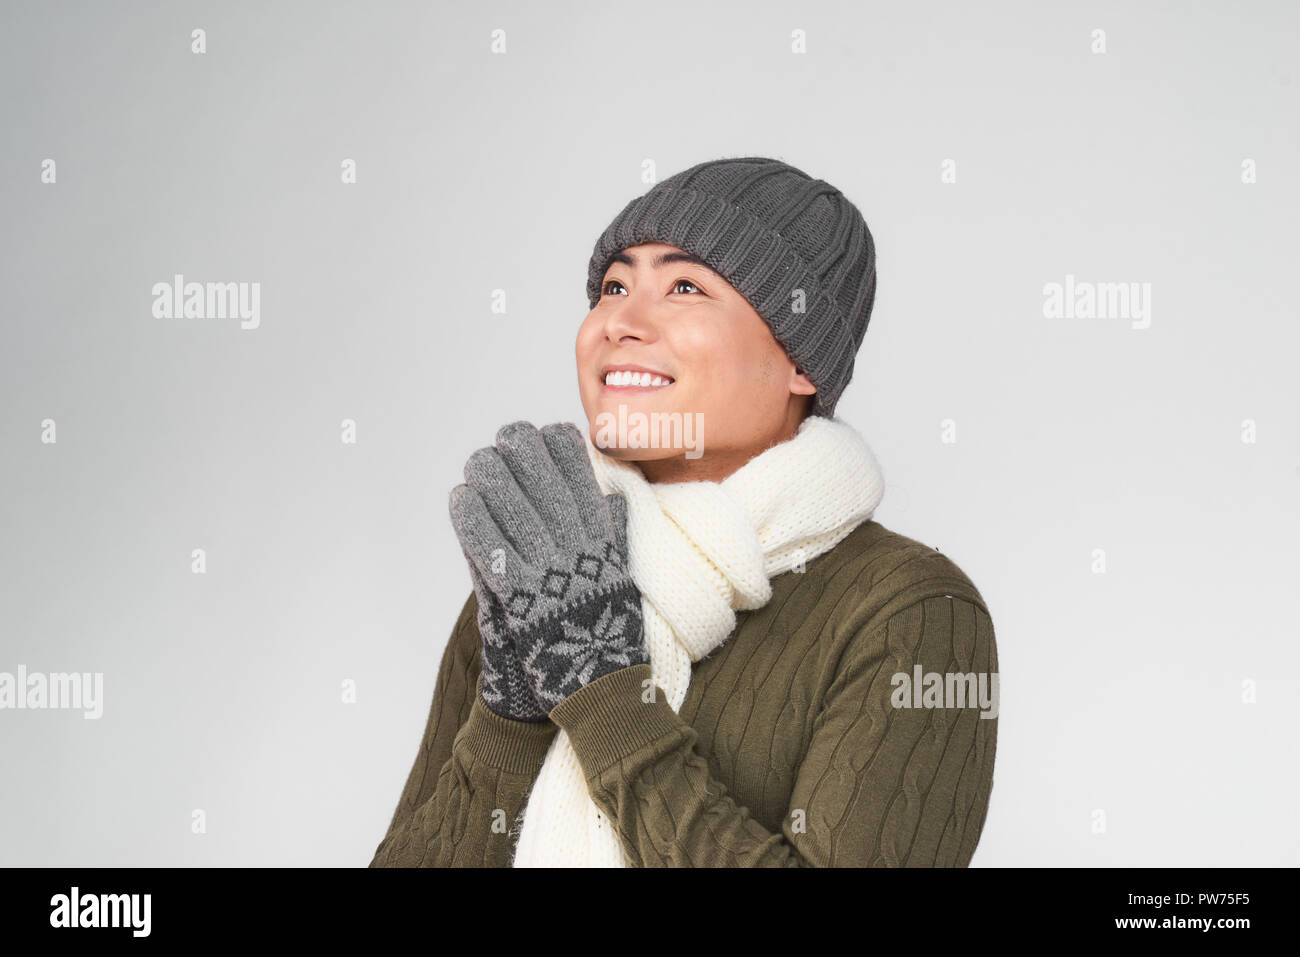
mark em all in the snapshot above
pixel 472 774
pixel 878 786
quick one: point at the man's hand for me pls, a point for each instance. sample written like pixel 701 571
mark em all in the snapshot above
pixel 552 551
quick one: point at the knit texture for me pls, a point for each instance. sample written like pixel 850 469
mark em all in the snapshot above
pixel 506 688
pixel 698 552
pixel 786 751
pixel 794 246
pixel 551 564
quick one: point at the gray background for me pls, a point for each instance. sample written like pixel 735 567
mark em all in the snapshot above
pixel 1120 691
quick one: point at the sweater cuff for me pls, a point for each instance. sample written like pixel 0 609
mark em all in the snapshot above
pixel 518 747
pixel 607 720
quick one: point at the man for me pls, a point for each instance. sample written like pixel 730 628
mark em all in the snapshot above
pixel 705 653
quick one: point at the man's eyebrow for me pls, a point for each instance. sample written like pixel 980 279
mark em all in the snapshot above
pixel 662 259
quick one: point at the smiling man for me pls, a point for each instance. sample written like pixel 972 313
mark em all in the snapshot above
pixel 677 660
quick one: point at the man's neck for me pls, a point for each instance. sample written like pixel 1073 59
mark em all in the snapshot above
pixel 712 467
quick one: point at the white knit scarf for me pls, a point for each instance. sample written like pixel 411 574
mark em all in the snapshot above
pixel 698 553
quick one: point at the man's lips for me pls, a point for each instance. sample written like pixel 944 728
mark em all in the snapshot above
pixel 632 378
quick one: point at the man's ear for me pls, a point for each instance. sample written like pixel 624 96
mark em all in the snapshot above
pixel 800 384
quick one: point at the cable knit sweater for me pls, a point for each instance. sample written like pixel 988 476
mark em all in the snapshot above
pixel 787 751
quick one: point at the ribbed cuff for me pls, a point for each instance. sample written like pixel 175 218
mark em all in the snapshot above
pixel 518 747
pixel 607 721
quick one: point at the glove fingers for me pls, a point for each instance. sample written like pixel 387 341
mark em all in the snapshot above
pixel 487 473
pixel 525 453
pixel 569 452
pixel 482 541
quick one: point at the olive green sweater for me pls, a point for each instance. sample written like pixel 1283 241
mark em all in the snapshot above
pixel 787 751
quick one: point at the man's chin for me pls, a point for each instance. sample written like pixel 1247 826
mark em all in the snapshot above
pixel 624 454
pixel 641 429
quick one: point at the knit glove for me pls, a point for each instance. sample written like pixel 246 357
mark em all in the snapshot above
pixel 506 690
pixel 552 551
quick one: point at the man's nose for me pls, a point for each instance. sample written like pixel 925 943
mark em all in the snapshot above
pixel 630 320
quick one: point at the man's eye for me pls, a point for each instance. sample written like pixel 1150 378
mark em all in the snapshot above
pixel 687 282
pixel 611 282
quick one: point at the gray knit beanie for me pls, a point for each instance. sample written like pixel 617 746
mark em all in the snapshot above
pixel 768 229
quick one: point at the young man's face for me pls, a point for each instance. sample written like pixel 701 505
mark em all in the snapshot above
pixel 721 364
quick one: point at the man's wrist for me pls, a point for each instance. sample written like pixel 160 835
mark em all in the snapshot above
pixel 614 716
pixel 518 747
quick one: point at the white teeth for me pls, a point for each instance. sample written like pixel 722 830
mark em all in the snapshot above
pixel 628 378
